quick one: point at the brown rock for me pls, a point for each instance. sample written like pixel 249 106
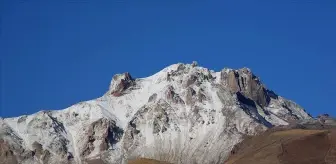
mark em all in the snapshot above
pixel 103 130
pixel 189 95
pixel 231 79
pixel 6 154
pixel 244 81
pixel 120 83
pixel 172 96
pixel 191 79
pixel 201 97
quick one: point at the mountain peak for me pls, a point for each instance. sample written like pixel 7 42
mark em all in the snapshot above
pixel 119 83
pixel 182 114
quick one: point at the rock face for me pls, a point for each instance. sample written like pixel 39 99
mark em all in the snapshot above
pixel 183 114
pixel 120 83
pixel 247 83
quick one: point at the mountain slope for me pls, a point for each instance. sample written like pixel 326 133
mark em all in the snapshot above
pixel 182 114
pixel 145 161
pixel 298 144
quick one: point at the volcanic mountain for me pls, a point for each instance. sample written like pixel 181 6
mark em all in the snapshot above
pixel 182 114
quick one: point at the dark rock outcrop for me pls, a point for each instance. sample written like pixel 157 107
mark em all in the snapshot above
pixel 152 97
pixel 121 82
pixel 105 132
pixel 172 96
pixel 244 81
pixel 6 154
pixel 190 93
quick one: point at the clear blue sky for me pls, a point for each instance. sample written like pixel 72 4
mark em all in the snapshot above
pixel 55 53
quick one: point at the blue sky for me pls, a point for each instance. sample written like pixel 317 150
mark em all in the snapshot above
pixel 57 53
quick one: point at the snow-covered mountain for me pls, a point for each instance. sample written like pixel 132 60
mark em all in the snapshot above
pixel 183 114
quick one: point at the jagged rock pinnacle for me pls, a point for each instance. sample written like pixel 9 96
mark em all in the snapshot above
pixel 119 83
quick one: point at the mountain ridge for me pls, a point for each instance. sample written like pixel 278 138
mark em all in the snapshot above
pixel 176 115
